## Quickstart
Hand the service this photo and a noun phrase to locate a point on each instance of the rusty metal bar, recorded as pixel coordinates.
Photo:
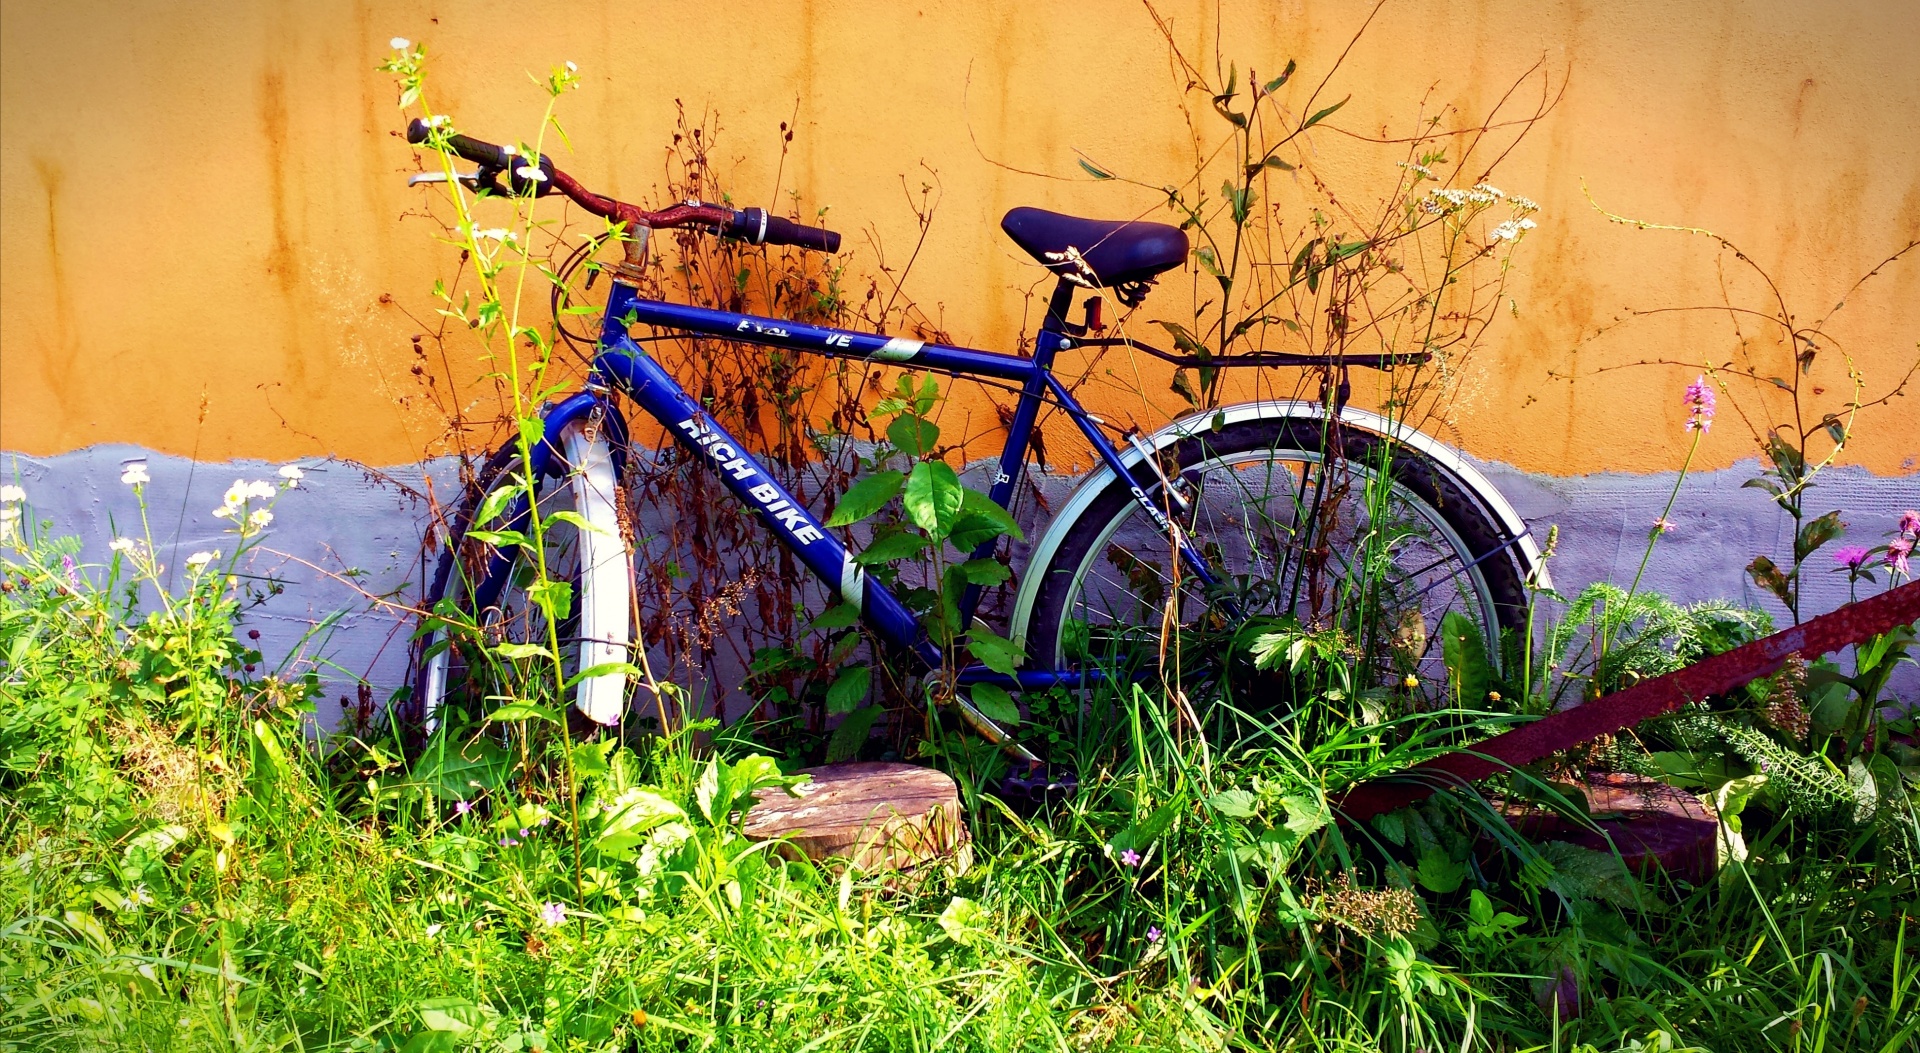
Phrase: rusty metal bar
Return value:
(1624, 709)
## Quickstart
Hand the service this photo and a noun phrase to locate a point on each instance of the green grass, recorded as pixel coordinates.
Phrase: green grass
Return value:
(177, 872)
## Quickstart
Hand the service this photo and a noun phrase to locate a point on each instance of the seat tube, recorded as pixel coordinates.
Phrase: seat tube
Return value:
(1051, 339)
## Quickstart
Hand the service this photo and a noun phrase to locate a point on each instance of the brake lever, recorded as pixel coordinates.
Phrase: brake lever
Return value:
(474, 181)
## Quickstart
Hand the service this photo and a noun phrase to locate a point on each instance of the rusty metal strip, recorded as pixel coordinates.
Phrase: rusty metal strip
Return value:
(1624, 709)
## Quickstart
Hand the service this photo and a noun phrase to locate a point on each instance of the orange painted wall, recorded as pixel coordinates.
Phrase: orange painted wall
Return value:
(202, 204)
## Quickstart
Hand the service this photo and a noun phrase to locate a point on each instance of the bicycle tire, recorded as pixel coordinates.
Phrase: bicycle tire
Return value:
(1449, 523)
(478, 601)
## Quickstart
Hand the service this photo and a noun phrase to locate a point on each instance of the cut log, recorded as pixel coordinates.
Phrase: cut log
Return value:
(870, 815)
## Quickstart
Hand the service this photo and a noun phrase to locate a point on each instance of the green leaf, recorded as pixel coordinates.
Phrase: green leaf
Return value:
(495, 502)
(1094, 172)
(866, 497)
(575, 520)
(966, 922)
(933, 497)
(455, 1016)
(1205, 256)
(975, 503)
(1183, 387)
(995, 703)
(552, 596)
(498, 538)
(890, 547)
(1305, 814)
(628, 818)
(994, 651)
(985, 571)
(1816, 533)
(1324, 114)
(845, 742)
(1439, 872)
(1235, 804)
(517, 651)
(913, 436)
(1274, 85)
(1466, 658)
(1767, 576)
(603, 669)
(849, 688)
(838, 616)
(525, 711)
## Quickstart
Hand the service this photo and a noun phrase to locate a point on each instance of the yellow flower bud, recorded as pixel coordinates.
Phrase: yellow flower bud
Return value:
(1412, 681)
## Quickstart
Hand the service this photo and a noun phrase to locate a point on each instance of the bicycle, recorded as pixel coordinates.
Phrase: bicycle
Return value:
(1243, 501)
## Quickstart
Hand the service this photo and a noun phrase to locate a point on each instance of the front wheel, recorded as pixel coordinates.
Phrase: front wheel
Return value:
(488, 603)
(1352, 532)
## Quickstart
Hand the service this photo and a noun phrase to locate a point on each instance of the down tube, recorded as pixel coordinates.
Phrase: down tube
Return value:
(659, 395)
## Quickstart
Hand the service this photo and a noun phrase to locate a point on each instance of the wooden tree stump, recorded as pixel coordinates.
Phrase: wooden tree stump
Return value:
(868, 815)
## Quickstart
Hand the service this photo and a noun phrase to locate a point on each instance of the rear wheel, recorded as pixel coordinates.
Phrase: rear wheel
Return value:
(1376, 540)
(485, 595)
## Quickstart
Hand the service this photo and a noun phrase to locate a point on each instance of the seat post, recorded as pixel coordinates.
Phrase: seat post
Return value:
(1053, 335)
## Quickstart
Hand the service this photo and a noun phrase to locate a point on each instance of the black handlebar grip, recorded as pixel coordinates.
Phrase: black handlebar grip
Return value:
(787, 232)
(754, 225)
(489, 156)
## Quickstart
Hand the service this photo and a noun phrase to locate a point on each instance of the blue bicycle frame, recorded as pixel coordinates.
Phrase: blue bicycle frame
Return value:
(621, 364)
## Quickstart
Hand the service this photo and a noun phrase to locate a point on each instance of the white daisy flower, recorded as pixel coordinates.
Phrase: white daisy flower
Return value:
(260, 489)
(236, 494)
(135, 474)
(260, 518)
(291, 473)
(400, 43)
(121, 544)
(201, 559)
(11, 494)
(224, 512)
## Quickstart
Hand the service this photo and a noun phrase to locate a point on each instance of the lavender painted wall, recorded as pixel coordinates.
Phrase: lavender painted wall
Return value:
(347, 541)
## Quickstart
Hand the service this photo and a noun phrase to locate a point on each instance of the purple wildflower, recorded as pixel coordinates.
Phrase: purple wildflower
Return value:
(1897, 552)
(1154, 934)
(553, 914)
(1851, 556)
(462, 807)
(523, 831)
(1129, 858)
(66, 564)
(1699, 403)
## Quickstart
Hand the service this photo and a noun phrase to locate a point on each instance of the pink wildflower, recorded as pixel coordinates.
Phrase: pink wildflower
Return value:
(1851, 557)
(553, 914)
(463, 807)
(1910, 522)
(1129, 858)
(1699, 403)
(1663, 525)
(1897, 552)
(1154, 934)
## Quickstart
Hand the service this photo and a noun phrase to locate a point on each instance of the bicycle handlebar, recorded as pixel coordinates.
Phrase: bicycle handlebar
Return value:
(753, 225)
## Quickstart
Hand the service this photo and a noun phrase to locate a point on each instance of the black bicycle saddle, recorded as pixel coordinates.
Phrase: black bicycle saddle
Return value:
(1116, 252)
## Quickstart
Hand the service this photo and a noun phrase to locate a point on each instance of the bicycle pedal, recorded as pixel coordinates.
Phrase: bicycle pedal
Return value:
(1025, 792)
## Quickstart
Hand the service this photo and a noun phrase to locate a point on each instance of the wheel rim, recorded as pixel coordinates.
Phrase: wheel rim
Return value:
(1426, 565)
